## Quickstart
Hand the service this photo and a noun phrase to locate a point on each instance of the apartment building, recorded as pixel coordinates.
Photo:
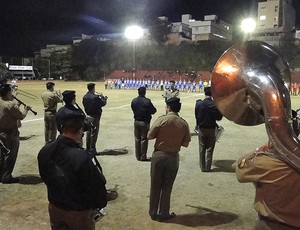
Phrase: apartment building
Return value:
(46, 52)
(211, 28)
(275, 19)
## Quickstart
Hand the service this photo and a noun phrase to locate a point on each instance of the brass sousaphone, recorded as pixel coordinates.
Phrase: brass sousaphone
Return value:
(250, 85)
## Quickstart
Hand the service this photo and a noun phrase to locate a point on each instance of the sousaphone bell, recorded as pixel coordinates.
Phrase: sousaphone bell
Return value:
(250, 85)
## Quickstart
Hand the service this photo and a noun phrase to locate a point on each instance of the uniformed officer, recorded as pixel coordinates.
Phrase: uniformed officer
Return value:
(206, 114)
(171, 91)
(76, 186)
(277, 184)
(171, 132)
(143, 109)
(50, 99)
(69, 97)
(93, 104)
(10, 114)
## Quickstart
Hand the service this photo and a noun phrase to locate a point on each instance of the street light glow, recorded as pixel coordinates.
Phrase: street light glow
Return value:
(248, 25)
(134, 32)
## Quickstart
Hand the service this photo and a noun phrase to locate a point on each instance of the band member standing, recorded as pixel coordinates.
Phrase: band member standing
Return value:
(206, 114)
(171, 132)
(171, 91)
(143, 109)
(50, 99)
(93, 104)
(277, 199)
(69, 97)
(10, 114)
(76, 186)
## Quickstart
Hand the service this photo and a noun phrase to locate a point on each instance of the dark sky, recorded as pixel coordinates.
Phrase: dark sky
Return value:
(27, 25)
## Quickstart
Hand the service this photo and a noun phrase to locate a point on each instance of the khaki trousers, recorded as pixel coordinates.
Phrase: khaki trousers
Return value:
(164, 168)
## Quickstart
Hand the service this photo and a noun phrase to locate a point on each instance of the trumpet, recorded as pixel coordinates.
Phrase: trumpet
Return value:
(22, 103)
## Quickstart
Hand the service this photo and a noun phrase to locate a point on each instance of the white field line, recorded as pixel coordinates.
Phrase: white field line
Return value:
(118, 107)
(37, 119)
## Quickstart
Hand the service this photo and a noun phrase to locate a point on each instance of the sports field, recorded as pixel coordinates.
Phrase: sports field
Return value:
(213, 200)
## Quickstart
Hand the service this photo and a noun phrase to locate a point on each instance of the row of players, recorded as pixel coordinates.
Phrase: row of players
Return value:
(189, 86)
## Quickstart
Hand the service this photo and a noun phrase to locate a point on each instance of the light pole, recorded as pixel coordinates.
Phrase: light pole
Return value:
(49, 65)
(133, 33)
(248, 25)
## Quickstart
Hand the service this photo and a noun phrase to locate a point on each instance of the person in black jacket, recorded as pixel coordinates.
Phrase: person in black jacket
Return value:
(143, 109)
(69, 98)
(206, 114)
(93, 104)
(75, 184)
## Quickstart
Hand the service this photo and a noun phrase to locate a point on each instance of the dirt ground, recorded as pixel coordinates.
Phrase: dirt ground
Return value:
(214, 200)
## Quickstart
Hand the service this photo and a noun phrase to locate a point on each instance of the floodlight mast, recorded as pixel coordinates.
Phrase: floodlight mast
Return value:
(133, 33)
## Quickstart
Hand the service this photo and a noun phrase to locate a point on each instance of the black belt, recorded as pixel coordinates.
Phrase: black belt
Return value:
(268, 220)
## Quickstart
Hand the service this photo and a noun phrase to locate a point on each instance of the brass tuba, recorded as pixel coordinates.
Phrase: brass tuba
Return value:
(250, 85)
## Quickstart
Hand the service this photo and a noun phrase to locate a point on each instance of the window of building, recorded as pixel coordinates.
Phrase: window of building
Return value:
(275, 26)
(262, 17)
(275, 19)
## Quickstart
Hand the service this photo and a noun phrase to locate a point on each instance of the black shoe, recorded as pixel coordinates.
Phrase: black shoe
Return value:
(146, 159)
(167, 217)
(111, 195)
(207, 170)
(11, 180)
(153, 217)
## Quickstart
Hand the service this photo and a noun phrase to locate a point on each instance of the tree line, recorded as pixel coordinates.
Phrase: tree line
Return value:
(92, 60)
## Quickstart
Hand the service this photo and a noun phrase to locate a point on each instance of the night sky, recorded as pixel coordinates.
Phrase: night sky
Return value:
(27, 25)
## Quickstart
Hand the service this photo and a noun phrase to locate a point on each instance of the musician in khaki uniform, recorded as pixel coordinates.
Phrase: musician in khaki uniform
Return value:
(50, 99)
(277, 199)
(10, 113)
(171, 132)
(171, 91)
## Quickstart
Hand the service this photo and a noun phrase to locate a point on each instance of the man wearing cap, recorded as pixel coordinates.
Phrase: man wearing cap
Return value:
(10, 114)
(206, 114)
(171, 91)
(143, 109)
(171, 132)
(70, 106)
(93, 104)
(50, 99)
(75, 184)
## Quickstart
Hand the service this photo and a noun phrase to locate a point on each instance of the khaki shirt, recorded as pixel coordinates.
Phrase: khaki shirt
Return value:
(170, 93)
(9, 115)
(171, 132)
(50, 100)
(277, 186)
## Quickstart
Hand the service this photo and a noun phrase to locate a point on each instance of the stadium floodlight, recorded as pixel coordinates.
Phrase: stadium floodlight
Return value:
(248, 25)
(133, 33)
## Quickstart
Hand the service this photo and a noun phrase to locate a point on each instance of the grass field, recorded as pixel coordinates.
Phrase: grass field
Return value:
(201, 200)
